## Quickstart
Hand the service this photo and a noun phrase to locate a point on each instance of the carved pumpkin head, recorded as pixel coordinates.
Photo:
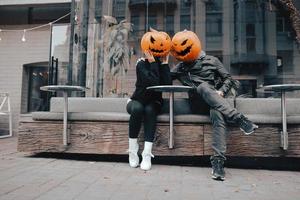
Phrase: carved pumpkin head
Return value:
(157, 42)
(186, 46)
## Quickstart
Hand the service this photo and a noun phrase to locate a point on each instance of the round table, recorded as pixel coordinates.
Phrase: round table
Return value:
(65, 89)
(283, 88)
(171, 89)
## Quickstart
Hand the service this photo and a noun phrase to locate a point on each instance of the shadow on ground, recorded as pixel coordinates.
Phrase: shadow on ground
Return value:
(271, 163)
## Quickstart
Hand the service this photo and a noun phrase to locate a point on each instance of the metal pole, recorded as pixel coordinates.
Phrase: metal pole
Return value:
(171, 115)
(147, 16)
(56, 72)
(70, 66)
(83, 44)
(65, 131)
(49, 68)
(284, 133)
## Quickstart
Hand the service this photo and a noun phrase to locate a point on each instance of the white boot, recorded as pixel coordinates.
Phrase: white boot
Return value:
(132, 151)
(146, 162)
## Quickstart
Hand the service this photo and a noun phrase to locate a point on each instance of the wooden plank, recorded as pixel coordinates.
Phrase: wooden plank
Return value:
(112, 138)
(106, 138)
(40, 136)
(294, 140)
(190, 139)
(264, 142)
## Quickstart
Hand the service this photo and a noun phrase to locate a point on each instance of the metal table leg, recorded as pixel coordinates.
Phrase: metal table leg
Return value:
(65, 131)
(284, 133)
(171, 115)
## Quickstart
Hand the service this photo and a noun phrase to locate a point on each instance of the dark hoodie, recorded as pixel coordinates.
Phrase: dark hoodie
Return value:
(150, 74)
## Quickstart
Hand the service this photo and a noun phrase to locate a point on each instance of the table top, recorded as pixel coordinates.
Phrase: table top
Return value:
(55, 88)
(282, 87)
(170, 88)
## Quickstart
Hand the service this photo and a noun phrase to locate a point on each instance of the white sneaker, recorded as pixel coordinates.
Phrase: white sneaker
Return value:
(132, 151)
(147, 155)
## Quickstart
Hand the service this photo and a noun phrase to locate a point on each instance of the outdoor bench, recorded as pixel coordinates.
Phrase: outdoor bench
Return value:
(100, 126)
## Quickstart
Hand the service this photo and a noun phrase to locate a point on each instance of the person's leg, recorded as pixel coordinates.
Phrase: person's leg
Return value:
(215, 101)
(150, 115)
(136, 111)
(218, 144)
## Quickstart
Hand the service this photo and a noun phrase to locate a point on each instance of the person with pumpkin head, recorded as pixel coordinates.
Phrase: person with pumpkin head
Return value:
(144, 105)
(211, 83)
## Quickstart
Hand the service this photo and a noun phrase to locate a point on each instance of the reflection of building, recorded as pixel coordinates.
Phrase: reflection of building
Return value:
(255, 43)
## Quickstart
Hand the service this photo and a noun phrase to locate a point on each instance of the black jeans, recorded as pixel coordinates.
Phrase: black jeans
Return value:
(139, 112)
(206, 100)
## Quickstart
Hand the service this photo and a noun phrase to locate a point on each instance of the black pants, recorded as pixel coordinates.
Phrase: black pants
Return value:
(206, 100)
(139, 113)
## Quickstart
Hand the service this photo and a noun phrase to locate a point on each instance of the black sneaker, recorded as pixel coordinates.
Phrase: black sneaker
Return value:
(246, 125)
(218, 172)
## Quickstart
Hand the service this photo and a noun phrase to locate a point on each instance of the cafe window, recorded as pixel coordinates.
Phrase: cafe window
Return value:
(170, 24)
(214, 18)
(135, 21)
(119, 9)
(152, 20)
(282, 24)
(214, 24)
(37, 99)
(214, 5)
(185, 15)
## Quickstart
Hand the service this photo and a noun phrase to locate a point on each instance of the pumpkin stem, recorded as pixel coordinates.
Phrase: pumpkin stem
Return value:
(152, 29)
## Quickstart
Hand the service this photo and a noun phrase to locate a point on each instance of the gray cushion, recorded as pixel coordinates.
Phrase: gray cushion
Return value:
(89, 104)
(185, 118)
(181, 106)
(113, 116)
(269, 106)
(82, 116)
(273, 119)
(259, 110)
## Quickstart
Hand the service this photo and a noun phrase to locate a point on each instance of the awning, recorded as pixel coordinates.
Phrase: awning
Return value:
(31, 2)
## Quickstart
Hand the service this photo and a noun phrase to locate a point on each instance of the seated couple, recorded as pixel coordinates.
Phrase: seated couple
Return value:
(208, 77)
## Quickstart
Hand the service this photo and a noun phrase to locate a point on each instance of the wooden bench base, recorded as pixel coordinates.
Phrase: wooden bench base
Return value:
(190, 139)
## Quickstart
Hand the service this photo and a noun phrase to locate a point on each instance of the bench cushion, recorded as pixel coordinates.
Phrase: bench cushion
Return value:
(268, 106)
(92, 104)
(259, 110)
(89, 104)
(113, 116)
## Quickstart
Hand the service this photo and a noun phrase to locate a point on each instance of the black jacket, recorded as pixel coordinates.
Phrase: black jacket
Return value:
(205, 69)
(150, 74)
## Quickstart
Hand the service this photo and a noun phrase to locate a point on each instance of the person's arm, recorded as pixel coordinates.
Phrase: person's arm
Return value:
(148, 77)
(225, 76)
(164, 71)
(175, 72)
(165, 74)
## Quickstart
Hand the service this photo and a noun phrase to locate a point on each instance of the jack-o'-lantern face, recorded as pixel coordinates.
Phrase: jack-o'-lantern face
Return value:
(157, 42)
(186, 46)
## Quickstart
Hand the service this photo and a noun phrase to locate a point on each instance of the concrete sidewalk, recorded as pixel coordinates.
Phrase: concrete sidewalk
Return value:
(24, 177)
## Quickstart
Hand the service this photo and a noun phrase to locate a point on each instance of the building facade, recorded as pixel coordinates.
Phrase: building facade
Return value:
(253, 39)
(24, 58)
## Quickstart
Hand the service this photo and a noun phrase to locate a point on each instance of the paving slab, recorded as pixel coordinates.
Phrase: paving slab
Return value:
(23, 177)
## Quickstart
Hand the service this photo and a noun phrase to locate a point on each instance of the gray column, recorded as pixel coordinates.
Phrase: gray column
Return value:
(228, 32)
(200, 27)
